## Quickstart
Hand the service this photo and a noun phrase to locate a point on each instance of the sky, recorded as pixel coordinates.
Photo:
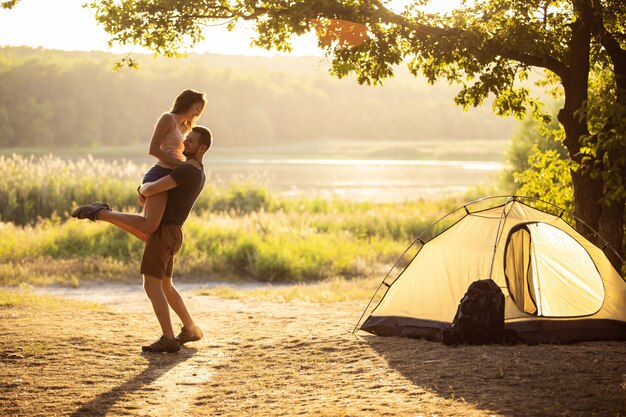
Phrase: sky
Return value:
(66, 25)
(74, 28)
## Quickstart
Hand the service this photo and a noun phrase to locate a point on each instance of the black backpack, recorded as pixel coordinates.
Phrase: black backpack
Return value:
(479, 319)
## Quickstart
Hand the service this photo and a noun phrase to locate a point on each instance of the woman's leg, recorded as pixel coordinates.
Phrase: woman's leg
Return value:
(141, 226)
(124, 221)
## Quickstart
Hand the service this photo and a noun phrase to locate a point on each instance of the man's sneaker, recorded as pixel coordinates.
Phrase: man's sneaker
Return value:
(89, 211)
(187, 335)
(163, 345)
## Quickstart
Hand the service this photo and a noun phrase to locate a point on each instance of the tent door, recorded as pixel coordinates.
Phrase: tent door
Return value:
(550, 274)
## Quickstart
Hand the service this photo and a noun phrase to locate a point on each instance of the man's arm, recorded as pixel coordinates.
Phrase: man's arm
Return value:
(149, 189)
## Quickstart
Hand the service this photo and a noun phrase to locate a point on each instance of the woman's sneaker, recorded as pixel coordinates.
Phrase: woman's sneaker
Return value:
(187, 335)
(89, 211)
(163, 345)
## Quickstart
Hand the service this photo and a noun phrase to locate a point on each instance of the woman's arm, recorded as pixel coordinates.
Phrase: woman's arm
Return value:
(164, 125)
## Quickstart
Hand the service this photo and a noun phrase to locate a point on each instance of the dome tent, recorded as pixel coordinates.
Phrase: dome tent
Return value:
(558, 286)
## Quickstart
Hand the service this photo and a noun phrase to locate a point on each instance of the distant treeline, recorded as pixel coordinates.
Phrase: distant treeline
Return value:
(64, 99)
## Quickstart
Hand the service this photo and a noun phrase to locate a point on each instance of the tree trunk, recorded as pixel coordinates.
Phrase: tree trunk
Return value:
(587, 190)
(611, 228)
(611, 225)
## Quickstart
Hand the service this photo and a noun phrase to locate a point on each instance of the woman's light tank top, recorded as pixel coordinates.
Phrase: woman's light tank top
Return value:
(172, 143)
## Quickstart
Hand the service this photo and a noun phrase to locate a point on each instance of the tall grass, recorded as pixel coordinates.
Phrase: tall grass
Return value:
(242, 230)
(47, 186)
(265, 246)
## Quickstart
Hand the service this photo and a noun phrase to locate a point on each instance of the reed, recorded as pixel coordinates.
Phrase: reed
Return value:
(242, 230)
(48, 187)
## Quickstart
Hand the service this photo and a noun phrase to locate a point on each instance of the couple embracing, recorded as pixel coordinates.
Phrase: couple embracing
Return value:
(167, 193)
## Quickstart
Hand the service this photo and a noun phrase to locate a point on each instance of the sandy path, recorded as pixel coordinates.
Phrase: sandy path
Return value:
(270, 359)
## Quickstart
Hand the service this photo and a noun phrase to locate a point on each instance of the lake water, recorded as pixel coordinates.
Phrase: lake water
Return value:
(359, 180)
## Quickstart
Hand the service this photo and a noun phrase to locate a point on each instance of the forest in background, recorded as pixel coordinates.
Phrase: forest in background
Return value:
(56, 99)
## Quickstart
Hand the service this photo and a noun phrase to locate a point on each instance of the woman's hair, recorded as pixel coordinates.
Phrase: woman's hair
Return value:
(185, 100)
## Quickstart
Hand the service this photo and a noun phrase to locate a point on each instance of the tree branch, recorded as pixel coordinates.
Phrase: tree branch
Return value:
(547, 62)
(390, 17)
(608, 41)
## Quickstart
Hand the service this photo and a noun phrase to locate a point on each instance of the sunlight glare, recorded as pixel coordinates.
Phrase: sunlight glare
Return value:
(433, 6)
(66, 25)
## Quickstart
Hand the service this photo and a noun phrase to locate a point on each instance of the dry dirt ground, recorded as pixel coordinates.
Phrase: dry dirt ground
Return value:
(276, 359)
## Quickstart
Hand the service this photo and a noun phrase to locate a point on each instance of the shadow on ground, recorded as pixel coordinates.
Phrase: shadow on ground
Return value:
(574, 380)
(158, 364)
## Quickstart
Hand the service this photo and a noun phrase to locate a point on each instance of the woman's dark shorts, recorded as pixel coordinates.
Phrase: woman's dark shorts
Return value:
(155, 173)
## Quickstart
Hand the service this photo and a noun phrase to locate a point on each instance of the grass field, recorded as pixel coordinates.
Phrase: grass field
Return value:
(265, 246)
(241, 231)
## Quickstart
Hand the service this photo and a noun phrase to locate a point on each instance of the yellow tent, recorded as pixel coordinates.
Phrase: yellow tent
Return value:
(558, 286)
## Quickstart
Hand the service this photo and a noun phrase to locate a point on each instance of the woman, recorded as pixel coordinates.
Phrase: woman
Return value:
(166, 145)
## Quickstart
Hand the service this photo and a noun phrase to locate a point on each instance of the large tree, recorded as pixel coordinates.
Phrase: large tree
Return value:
(488, 46)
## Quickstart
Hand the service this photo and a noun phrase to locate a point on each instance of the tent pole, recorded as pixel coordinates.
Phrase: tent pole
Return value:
(368, 306)
(419, 239)
(499, 232)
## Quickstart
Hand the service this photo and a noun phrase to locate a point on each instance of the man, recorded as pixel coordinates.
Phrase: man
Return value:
(183, 185)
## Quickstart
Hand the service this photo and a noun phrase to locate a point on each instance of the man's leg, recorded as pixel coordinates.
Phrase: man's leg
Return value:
(153, 289)
(175, 300)
(190, 331)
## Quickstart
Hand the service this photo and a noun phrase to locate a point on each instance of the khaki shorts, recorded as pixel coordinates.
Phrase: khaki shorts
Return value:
(159, 251)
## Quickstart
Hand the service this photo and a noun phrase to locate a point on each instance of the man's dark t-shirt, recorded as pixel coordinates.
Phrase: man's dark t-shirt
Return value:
(180, 199)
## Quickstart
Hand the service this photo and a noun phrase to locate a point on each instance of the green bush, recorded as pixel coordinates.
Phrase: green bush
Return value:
(243, 198)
